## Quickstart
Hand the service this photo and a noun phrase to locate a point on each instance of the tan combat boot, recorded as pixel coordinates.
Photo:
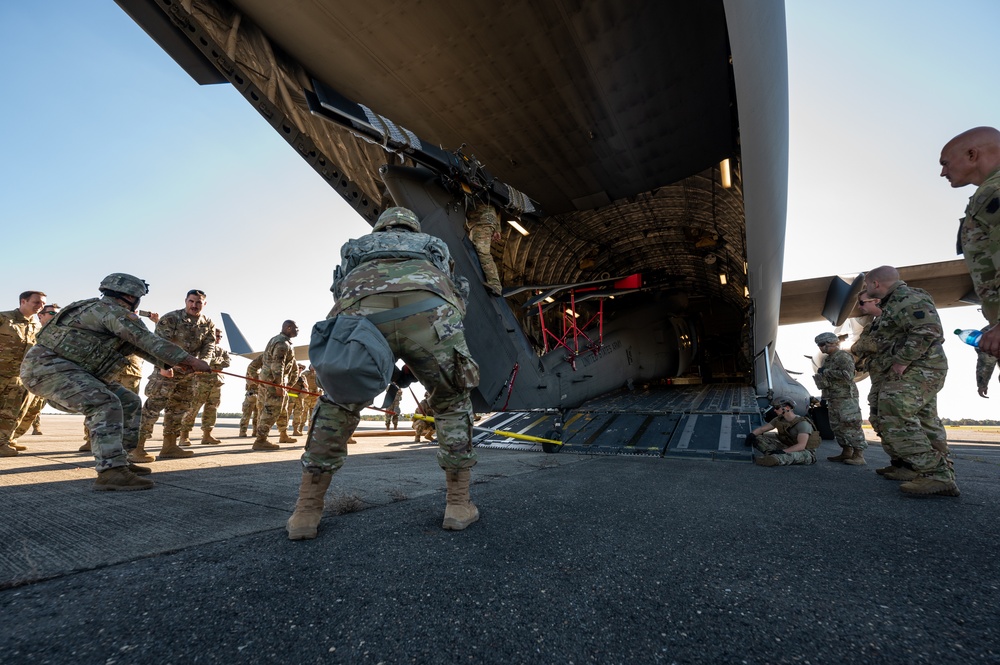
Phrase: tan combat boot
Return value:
(459, 511)
(139, 470)
(927, 486)
(121, 479)
(183, 440)
(845, 454)
(208, 439)
(766, 460)
(7, 451)
(137, 454)
(261, 443)
(296, 432)
(858, 459)
(171, 450)
(36, 432)
(304, 522)
(243, 432)
(16, 446)
(85, 448)
(284, 438)
(901, 473)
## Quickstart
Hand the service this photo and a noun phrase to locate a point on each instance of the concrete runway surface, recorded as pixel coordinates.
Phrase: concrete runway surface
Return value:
(576, 559)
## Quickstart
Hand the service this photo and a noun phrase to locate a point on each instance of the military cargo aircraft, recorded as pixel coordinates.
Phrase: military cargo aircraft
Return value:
(637, 153)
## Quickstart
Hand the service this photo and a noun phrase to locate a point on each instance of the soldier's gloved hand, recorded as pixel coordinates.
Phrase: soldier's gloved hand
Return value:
(196, 364)
(751, 439)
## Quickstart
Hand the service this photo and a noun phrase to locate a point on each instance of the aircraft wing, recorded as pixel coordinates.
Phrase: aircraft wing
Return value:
(833, 298)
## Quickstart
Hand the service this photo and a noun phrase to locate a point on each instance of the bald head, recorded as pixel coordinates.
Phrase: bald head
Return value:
(970, 157)
(879, 281)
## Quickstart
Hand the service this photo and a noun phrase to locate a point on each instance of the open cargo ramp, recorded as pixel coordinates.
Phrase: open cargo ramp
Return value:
(702, 421)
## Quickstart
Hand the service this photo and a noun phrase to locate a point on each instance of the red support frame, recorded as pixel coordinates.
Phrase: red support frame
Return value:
(570, 327)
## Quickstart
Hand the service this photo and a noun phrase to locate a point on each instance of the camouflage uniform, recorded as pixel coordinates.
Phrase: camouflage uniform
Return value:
(382, 271)
(196, 335)
(836, 380)
(483, 224)
(277, 366)
(17, 335)
(309, 376)
(865, 350)
(985, 364)
(207, 392)
(909, 333)
(787, 436)
(251, 405)
(393, 418)
(79, 354)
(979, 240)
(422, 428)
(297, 404)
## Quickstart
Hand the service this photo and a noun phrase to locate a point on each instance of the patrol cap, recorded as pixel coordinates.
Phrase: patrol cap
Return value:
(124, 283)
(783, 401)
(826, 338)
(397, 216)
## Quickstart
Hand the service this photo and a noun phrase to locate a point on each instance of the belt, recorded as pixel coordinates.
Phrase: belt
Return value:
(403, 310)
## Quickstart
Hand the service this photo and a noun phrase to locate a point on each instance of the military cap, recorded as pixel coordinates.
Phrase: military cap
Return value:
(826, 338)
(397, 217)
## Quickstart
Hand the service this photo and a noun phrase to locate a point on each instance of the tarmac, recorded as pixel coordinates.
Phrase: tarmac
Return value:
(576, 559)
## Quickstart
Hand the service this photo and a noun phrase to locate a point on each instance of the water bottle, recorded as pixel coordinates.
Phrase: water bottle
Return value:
(970, 337)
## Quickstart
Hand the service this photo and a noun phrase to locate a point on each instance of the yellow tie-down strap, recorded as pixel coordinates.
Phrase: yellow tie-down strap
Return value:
(500, 432)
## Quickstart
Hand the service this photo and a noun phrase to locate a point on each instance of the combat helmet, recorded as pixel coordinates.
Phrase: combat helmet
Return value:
(124, 283)
(783, 401)
(397, 216)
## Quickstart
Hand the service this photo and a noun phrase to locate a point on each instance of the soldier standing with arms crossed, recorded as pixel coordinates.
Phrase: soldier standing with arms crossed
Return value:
(397, 267)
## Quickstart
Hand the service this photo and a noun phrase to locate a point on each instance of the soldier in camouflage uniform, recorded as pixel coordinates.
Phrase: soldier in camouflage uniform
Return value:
(18, 329)
(312, 386)
(207, 393)
(297, 403)
(35, 403)
(836, 380)
(76, 359)
(422, 428)
(973, 158)
(483, 225)
(277, 366)
(394, 267)
(392, 415)
(251, 405)
(194, 332)
(910, 337)
(796, 439)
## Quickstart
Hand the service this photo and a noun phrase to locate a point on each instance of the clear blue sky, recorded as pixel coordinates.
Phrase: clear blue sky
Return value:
(115, 160)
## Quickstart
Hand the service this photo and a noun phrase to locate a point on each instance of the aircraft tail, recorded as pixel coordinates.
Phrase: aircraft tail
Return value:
(237, 342)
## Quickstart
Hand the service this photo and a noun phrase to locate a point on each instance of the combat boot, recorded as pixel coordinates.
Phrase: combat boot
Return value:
(927, 486)
(7, 451)
(85, 448)
(137, 454)
(183, 440)
(284, 438)
(858, 459)
(16, 446)
(139, 470)
(261, 443)
(845, 454)
(901, 473)
(36, 432)
(171, 450)
(243, 432)
(208, 439)
(766, 460)
(120, 478)
(459, 511)
(304, 522)
(296, 432)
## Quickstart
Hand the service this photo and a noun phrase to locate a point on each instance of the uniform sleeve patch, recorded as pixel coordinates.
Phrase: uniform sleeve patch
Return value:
(993, 205)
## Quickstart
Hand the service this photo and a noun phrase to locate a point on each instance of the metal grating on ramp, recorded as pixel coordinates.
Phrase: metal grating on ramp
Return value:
(701, 422)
